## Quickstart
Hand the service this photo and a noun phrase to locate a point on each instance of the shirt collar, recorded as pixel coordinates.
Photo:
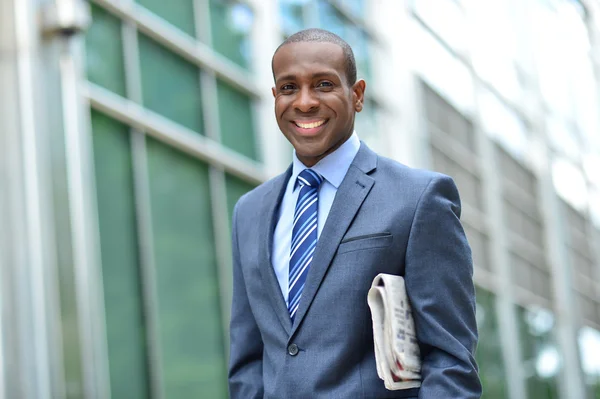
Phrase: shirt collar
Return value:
(334, 166)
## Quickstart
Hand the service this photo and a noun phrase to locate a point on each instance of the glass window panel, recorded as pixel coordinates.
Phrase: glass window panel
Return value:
(231, 23)
(446, 18)
(589, 347)
(591, 166)
(120, 262)
(359, 41)
(504, 124)
(191, 338)
(570, 183)
(366, 126)
(552, 48)
(331, 19)
(237, 124)
(235, 187)
(541, 355)
(442, 70)
(170, 85)
(563, 137)
(495, 45)
(179, 13)
(489, 350)
(582, 74)
(292, 15)
(104, 51)
(356, 7)
(595, 205)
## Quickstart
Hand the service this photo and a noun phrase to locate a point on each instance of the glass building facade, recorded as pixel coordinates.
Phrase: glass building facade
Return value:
(130, 128)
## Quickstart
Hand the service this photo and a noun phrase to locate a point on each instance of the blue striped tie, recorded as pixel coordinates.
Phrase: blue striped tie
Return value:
(304, 236)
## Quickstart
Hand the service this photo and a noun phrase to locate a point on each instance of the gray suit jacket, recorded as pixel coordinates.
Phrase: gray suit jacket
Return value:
(386, 218)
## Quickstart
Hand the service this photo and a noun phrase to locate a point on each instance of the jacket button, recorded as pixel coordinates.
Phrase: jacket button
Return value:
(293, 349)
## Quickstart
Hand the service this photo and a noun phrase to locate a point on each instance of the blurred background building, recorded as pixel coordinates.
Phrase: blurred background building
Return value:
(129, 129)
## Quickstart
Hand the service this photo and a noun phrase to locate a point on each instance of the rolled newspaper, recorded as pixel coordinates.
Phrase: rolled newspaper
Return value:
(396, 348)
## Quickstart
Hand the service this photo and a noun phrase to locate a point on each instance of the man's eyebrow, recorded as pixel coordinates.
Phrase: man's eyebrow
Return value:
(325, 74)
(317, 75)
(286, 77)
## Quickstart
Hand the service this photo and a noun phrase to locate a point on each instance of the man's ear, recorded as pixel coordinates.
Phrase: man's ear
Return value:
(358, 94)
(273, 90)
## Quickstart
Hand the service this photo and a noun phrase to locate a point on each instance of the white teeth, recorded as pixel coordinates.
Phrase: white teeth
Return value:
(310, 125)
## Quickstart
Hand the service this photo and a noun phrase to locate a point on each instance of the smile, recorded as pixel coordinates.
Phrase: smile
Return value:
(309, 128)
(310, 125)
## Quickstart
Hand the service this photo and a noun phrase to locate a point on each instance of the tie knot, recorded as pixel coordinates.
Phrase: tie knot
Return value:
(309, 177)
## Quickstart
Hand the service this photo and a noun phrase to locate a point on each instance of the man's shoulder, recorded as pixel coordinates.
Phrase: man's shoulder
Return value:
(390, 169)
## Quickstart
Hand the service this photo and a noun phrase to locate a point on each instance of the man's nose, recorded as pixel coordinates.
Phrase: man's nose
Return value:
(306, 100)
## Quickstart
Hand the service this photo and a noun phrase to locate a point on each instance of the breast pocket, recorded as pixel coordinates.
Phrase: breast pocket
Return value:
(370, 241)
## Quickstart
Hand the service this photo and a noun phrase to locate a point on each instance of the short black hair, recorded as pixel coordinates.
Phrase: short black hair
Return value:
(324, 36)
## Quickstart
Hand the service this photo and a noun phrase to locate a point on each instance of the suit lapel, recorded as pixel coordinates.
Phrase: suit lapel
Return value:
(349, 197)
(270, 208)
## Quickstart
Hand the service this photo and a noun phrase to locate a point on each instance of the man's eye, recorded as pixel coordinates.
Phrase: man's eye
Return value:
(325, 84)
(287, 87)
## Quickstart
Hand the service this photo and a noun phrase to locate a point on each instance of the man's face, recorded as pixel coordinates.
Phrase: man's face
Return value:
(314, 104)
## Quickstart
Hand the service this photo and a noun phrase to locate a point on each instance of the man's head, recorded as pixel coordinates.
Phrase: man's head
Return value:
(316, 92)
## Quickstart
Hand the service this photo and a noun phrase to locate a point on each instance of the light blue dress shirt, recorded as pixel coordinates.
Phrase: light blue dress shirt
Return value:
(333, 168)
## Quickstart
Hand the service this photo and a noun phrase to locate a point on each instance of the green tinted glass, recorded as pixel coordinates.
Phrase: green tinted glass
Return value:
(356, 7)
(540, 352)
(186, 273)
(331, 19)
(489, 351)
(120, 264)
(235, 189)
(231, 23)
(177, 12)
(292, 16)
(360, 46)
(170, 84)
(237, 124)
(104, 51)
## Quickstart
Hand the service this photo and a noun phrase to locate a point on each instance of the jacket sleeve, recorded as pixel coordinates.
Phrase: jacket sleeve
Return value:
(439, 283)
(246, 345)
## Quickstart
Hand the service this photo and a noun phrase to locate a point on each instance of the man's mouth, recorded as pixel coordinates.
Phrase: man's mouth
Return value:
(310, 124)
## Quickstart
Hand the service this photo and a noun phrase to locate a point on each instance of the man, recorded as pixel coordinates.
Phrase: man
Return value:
(308, 243)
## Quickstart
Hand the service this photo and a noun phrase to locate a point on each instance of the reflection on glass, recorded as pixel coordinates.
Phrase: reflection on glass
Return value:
(231, 23)
(569, 183)
(356, 7)
(125, 329)
(358, 40)
(366, 126)
(563, 137)
(542, 359)
(292, 14)
(589, 347)
(591, 166)
(331, 19)
(446, 18)
(494, 45)
(503, 123)
(561, 48)
(193, 361)
(584, 84)
(442, 70)
(489, 350)
(595, 206)
(179, 13)
(178, 97)
(104, 51)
